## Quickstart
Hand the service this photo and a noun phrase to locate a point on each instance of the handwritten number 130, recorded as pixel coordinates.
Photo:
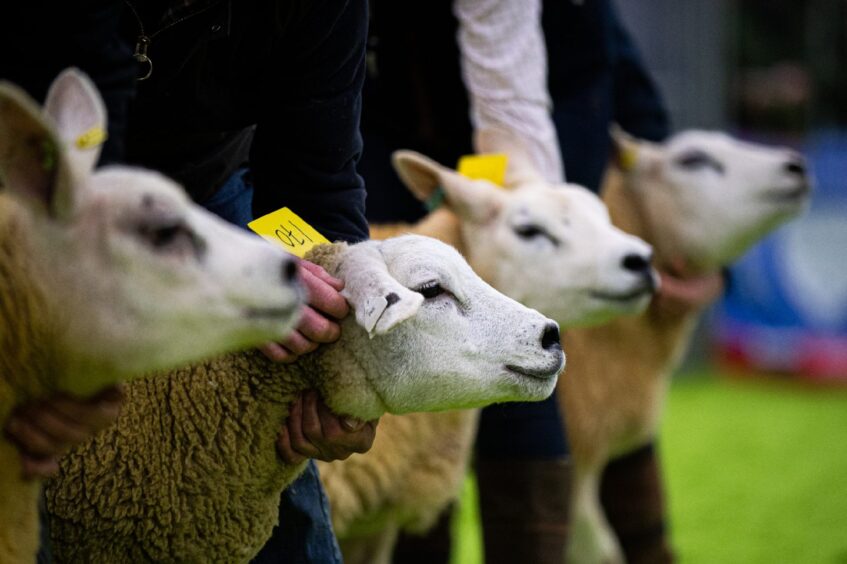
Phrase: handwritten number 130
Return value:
(288, 237)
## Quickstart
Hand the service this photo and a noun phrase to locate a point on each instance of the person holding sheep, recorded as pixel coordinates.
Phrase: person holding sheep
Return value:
(198, 90)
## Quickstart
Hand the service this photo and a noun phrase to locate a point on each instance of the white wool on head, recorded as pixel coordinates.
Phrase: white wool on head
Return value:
(454, 342)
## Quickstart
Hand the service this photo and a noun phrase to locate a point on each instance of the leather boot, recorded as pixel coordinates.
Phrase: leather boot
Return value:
(432, 548)
(524, 510)
(633, 498)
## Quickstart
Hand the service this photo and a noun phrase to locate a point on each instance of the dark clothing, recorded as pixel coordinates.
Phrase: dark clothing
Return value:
(271, 83)
(596, 78)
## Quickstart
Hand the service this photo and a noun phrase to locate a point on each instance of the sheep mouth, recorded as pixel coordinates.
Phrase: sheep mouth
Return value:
(797, 194)
(545, 373)
(637, 293)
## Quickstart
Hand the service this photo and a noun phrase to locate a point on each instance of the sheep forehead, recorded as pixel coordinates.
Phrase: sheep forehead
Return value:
(558, 203)
(138, 189)
(411, 258)
(725, 147)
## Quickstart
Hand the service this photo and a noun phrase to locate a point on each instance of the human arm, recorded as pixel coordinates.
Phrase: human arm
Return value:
(504, 65)
(638, 105)
(46, 429)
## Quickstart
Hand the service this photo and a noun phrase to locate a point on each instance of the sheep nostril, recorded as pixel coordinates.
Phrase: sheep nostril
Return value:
(796, 167)
(550, 339)
(636, 263)
(289, 271)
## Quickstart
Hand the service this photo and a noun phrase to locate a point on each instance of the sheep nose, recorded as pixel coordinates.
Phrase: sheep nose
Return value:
(550, 339)
(636, 263)
(289, 270)
(796, 166)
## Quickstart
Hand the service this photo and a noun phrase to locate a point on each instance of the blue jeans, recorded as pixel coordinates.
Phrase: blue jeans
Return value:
(306, 534)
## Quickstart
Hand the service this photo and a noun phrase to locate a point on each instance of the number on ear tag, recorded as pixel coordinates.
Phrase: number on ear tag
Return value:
(287, 229)
(491, 167)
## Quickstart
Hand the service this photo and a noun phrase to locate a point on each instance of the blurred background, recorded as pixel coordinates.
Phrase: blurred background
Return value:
(754, 442)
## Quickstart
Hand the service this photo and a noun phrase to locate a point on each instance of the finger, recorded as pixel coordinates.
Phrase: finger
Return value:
(317, 328)
(298, 344)
(312, 429)
(278, 353)
(324, 297)
(363, 439)
(284, 449)
(351, 424)
(30, 439)
(299, 443)
(321, 273)
(39, 468)
(62, 431)
(95, 413)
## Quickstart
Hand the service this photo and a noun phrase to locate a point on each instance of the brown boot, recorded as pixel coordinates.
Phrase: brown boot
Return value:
(432, 548)
(524, 510)
(632, 496)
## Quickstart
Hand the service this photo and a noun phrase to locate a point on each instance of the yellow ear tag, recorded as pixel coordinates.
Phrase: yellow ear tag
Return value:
(491, 167)
(627, 157)
(91, 138)
(287, 229)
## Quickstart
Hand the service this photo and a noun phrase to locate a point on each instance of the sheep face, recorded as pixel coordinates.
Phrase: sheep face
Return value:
(136, 277)
(550, 246)
(707, 197)
(451, 341)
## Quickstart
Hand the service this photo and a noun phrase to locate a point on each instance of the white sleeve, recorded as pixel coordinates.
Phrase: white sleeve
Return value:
(504, 65)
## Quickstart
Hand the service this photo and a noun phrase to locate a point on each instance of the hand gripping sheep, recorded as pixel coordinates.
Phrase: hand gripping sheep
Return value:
(189, 473)
(107, 274)
(701, 199)
(551, 247)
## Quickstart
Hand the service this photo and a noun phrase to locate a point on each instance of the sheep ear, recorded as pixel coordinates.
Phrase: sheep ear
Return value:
(33, 164)
(79, 115)
(521, 168)
(474, 200)
(631, 154)
(378, 300)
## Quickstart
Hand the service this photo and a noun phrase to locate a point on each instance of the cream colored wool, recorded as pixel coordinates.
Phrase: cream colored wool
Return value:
(87, 286)
(618, 373)
(190, 471)
(417, 463)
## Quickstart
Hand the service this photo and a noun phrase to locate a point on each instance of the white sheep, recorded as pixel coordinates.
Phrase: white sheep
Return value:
(190, 473)
(700, 199)
(107, 274)
(552, 247)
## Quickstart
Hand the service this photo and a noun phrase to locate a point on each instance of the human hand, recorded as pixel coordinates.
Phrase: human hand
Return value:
(318, 324)
(314, 431)
(46, 429)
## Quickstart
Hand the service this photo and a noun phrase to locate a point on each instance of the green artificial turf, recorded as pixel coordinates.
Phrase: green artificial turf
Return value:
(756, 472)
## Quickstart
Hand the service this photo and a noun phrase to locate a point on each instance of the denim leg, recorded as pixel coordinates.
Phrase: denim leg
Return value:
(306, 534)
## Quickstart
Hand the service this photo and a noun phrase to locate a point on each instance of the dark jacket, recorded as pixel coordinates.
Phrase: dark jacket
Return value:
(270, 84)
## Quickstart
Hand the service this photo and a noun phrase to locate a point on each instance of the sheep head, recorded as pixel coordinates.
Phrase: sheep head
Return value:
(428, 334)
(705, 197)
(550, 246)
(136, 277)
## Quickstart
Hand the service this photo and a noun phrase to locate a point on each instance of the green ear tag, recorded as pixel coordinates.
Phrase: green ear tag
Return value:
(48, 155)
(434, 202)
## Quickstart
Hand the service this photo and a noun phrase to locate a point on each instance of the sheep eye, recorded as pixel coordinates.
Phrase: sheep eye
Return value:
(430, 290)
(172, 235)
(529, 232)
(696, 160)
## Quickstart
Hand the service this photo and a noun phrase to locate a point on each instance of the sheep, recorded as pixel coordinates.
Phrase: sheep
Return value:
(551, 247)
(701, 199)
(102, 274)
(189, 472)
